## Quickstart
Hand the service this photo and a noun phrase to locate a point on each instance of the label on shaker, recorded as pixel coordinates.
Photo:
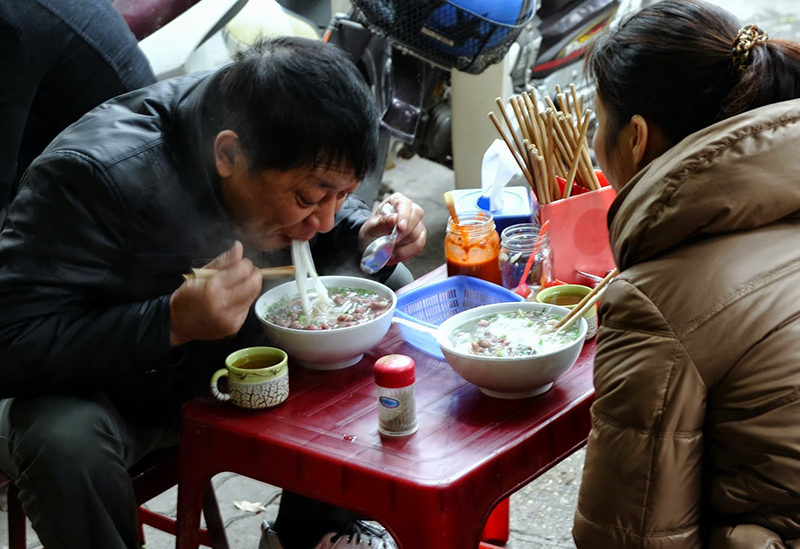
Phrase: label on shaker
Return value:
(390, 403)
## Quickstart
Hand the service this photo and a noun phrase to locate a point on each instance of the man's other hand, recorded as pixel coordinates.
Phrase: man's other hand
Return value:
(217, 306)
(411, 231)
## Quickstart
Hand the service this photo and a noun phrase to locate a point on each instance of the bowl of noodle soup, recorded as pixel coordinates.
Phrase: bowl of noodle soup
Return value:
(337, 338)
(508, 349)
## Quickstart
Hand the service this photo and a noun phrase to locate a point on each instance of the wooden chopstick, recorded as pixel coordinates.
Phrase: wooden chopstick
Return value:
(576, 313)
(266, 272)
(537, 177)
(523, 125)
(540, 129)
(574, 90)
(583, 305)
(571, 135)
(543, 170)
(577, 159)
(509, 125)
(516, 156)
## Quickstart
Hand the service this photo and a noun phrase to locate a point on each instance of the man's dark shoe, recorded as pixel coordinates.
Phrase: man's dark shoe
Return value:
(358, 535)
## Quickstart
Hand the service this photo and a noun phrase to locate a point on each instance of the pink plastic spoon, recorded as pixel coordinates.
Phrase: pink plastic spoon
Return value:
(523, 289)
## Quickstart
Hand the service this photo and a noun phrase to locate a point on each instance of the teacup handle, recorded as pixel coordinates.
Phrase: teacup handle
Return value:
(219, 395)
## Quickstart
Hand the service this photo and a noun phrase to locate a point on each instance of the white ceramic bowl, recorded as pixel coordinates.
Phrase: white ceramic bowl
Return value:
(510, 377)
(328, 349)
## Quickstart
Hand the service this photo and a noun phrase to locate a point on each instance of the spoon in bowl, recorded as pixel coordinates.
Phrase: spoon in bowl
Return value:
(378, 252)
(422, 328)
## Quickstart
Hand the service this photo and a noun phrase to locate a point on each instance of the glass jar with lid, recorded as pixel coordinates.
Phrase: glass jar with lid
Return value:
(516, 244)
(472, 246)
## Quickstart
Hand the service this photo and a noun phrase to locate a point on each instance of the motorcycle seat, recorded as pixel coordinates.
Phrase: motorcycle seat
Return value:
(549, 7)
(144, 17)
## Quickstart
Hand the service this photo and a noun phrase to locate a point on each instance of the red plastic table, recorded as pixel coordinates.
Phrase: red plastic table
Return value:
(431, 490)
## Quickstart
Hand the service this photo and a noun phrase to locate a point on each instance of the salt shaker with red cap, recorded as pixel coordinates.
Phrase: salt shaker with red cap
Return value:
(397, 408)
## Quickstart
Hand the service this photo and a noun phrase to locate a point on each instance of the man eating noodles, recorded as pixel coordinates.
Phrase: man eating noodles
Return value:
(101, 339)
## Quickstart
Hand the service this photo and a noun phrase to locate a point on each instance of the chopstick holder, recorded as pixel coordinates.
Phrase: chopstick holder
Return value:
(585, 304)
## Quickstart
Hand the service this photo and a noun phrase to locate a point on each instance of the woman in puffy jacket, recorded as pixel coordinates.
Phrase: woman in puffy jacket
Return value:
(695, 436)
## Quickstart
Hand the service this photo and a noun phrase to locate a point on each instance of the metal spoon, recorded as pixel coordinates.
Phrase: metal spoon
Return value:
(380, 250)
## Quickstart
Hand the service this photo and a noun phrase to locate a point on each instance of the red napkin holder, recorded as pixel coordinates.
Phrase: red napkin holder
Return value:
(579, 233)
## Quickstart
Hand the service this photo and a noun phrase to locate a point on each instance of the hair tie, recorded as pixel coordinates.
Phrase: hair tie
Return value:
(746, 39)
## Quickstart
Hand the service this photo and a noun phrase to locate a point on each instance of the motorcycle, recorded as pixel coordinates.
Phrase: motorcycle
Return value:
(564, 29)
(406, 49)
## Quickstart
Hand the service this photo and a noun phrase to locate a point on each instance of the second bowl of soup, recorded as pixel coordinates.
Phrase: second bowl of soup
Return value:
(508, 350)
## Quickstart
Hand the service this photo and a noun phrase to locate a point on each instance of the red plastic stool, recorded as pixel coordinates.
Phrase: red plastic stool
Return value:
(154, 475)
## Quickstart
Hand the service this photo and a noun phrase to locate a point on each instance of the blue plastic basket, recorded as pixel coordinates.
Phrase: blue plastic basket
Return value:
(433, 304)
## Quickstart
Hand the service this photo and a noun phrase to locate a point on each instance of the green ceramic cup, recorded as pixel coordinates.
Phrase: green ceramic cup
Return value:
(568, 295)
(258, 378)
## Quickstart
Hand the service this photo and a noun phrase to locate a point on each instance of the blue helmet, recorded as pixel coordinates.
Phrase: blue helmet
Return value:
(505, 12)
(468, 35)
(473, 27)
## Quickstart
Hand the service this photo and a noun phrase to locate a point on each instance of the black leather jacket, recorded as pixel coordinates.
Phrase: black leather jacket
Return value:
(105, 222)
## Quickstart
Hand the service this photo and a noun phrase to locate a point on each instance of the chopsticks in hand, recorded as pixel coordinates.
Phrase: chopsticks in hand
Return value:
(585, 304)
(266, 272)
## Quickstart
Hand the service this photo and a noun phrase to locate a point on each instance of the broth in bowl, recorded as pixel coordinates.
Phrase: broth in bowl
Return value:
(512, 334)
(527, 372)
(351, 306)
(332, 348)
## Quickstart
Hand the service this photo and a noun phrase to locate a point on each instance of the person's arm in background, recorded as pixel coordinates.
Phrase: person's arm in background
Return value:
(64, 265)
(59, 59)
(641, 482)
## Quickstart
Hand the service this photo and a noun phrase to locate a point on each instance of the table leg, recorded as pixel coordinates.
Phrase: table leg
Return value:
(194, 474)
(433, 528)
(190, 505)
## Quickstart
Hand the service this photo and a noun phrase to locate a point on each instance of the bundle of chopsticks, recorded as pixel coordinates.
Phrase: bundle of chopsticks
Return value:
(550, 143)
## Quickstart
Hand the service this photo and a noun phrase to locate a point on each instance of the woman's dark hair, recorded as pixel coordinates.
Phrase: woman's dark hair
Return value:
(295, 102)
(673, 63)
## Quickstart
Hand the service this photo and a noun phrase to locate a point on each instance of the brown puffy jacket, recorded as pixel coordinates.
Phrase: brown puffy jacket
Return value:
(695, 436)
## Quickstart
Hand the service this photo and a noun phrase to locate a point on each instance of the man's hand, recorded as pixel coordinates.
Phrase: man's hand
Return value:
(411, 231)
(215, 307)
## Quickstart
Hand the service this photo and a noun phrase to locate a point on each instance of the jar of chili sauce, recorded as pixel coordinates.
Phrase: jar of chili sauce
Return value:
(472, 246)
